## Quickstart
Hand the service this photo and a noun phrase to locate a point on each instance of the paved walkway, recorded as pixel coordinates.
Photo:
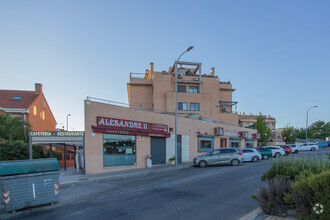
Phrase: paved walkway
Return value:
(70, 177)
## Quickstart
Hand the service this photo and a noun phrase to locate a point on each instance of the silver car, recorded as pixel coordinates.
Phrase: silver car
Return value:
(232, 156)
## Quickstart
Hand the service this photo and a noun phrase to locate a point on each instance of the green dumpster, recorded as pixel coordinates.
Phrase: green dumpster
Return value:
(28, 183)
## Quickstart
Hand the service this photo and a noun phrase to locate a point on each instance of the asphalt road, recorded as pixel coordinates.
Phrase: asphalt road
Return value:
(220, 192)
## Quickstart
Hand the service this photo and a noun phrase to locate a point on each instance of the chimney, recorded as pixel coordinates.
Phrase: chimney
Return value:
(259, 113)
(152, 68)
(38, 87)
(212, 71)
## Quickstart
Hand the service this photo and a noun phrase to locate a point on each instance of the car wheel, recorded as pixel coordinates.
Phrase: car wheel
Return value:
(296, 151)
(265, 157)
(255, 159)
(277, 155)
(312, 149)
(202, 164)
(235, 162)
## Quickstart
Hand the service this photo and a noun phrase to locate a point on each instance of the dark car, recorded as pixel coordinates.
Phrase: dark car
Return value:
(265, 153)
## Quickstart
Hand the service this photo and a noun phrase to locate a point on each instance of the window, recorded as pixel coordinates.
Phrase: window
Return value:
(193, 89)
(181, 88)
(249, 144)
(227, 151)
(215, 152)
(183, 106)
(119, 150)
(248, 151)
(17, 98)
(205, 144)
(235, 143)
(43, 115)
(194, 106)
(35, 110)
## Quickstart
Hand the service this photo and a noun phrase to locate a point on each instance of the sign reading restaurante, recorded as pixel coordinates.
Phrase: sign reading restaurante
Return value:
(56, 133)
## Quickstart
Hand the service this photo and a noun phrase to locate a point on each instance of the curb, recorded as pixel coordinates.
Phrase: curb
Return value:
(63, 185)
(251, 215)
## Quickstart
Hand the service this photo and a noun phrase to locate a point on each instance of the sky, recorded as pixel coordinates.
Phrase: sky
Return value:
(276, 54)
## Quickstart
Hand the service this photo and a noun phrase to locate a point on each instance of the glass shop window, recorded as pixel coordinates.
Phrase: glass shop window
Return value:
(205, 144)
(119, 150)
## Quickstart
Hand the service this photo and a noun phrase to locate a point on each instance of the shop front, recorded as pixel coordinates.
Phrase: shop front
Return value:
(118, 138)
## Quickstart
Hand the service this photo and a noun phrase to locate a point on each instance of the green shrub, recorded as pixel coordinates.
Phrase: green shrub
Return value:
(307, 192)
(19, 150)
(271, 199)
(296, 167)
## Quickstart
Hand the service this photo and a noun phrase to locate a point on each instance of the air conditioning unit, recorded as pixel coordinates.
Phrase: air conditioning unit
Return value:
(180, 75)
(195, 78)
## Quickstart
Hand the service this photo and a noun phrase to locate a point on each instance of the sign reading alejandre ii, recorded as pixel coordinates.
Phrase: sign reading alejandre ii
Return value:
(131, 127)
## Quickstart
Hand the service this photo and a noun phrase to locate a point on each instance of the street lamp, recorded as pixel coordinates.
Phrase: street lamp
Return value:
(307, 119)
(67, 122)
(176, 104)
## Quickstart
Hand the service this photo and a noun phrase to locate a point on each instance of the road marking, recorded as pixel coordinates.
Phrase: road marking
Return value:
(250, 214)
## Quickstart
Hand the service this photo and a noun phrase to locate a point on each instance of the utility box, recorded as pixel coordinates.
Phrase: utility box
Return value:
(28, 183)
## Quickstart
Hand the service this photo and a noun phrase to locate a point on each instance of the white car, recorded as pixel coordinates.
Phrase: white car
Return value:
(308, 146)
(250, 154)
(295, 148)
(276, 151)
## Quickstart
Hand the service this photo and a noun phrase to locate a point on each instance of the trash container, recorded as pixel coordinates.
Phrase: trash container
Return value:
(149, 161)
(28, 183)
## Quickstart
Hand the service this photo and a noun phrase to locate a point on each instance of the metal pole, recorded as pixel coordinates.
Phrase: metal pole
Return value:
(176, 113)
(30, 148)
(75, 152)
(67, 122)
(307, 119)
(51, 151)
(65, 157)
(176, 104)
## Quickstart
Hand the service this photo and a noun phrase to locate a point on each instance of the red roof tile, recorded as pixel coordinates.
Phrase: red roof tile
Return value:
(6, 98)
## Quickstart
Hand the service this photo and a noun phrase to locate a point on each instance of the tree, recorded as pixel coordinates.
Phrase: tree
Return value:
(262, 129)
(13, 128)
(289, 134)
(319, 130)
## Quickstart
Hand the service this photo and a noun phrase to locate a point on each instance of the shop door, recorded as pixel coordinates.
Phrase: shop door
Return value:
(179, 148)
(157, 150)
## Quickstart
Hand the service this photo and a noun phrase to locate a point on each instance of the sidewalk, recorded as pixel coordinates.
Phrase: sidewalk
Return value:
(69, 177)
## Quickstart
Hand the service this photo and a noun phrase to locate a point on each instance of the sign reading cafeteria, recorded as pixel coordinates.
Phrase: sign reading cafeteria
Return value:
(114, 125)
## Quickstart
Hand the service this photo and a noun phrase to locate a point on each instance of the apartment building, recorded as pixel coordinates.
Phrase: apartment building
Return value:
(199, 95)
(248, 121)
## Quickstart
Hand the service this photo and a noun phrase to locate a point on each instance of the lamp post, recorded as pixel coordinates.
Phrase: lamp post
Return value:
(176, 103)
(67, 122)
(315, 106)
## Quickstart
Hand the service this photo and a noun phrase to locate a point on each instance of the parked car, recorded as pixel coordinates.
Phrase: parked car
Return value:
(276, 151)
(322, 144)
(287, 149)
(308, 146)
(232, 156)
(265, 153)
(295, 148)
(251, 154)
